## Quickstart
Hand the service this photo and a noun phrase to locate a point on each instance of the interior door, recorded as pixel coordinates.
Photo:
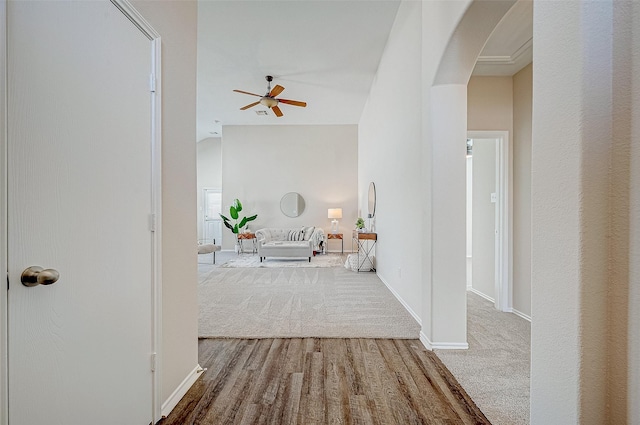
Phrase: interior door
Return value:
(484, 216)
(212, 220)
(79, 202)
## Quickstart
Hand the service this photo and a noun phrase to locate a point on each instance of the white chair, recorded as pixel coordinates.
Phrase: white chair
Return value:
(204, 247)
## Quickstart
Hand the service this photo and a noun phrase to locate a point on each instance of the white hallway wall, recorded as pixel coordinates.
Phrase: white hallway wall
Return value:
(395, 153)
(585, 212)
(522, 107)
(390, 156)
(262, 163)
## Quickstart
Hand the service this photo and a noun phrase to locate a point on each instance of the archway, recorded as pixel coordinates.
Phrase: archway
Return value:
(448, 132)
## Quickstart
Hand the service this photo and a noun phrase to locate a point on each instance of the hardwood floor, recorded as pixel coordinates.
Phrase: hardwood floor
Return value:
(322, 381)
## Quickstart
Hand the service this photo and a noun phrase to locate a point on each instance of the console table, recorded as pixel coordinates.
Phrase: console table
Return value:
(247, 236)
(335, 236)
(365, 248)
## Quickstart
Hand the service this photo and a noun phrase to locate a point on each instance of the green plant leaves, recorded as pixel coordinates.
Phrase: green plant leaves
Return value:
(233, 211)
(237, 205)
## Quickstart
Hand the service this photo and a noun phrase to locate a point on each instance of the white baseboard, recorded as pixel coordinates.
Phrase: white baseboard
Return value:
(442, 345)
(399, 298)
(182, 389)
(486, 297)
(521, 314)
(425, 341)
(423, 338)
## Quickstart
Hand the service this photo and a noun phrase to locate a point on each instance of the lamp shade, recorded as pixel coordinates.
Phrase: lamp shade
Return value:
(334, 213)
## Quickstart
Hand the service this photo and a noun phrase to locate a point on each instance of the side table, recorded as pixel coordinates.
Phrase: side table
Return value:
(335, 236)
(247, 236)
(364, 248)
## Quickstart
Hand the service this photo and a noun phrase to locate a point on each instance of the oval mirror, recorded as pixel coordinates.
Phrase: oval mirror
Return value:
(292, 204)
(372, 199)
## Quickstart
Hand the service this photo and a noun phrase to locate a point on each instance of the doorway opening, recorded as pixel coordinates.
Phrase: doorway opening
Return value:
(488, 217)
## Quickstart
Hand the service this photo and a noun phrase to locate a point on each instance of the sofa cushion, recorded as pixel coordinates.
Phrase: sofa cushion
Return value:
(286, 244)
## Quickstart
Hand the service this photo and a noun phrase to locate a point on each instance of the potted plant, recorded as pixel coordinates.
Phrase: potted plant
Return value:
(360, 224)
(238, 222)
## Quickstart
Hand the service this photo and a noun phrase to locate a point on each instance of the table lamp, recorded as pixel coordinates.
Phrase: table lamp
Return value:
(334, 213)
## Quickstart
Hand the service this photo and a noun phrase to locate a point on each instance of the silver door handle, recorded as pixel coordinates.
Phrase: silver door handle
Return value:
(35, 275)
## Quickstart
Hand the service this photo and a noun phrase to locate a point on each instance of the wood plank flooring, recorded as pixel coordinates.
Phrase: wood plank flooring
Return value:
(322, 381)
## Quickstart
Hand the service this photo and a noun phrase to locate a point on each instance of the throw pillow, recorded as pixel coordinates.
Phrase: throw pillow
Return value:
(295, 235)
(308, 231)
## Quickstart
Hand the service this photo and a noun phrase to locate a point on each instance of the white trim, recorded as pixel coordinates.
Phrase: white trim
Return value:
(507, 59)
(182, 389)
(399, 298)
(442, 345)
(521, 314)
(156, 195)
(425, 341)
(504, 217)
(4, 365)
(156, 178)
(136, 18)
(450, 345)
(485, 296)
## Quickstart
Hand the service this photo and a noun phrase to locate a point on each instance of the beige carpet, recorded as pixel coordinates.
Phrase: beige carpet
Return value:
(298, 302)
(495, 370)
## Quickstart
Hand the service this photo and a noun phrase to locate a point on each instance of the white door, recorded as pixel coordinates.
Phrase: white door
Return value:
(484, 216)
(79, 202)
(212, 220)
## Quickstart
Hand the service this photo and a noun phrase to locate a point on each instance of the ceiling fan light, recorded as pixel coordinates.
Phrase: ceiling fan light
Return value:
(269, 102)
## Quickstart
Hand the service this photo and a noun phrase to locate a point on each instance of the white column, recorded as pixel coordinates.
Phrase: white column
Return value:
(448, 310)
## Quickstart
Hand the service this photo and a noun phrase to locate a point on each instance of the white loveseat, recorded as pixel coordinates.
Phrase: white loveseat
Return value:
(291, 243)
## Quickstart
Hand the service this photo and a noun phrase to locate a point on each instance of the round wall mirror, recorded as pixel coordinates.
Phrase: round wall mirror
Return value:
(372, 199)
(292, 204)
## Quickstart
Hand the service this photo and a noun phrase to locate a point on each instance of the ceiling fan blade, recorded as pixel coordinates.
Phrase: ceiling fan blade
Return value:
(293, 102)
(276, 90)
(276, 111)
(251, 105)
(246, 92)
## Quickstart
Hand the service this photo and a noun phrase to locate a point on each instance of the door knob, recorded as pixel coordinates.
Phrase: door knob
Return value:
(34, 276)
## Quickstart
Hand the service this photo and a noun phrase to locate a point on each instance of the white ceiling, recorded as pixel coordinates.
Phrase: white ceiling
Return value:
(324, 52)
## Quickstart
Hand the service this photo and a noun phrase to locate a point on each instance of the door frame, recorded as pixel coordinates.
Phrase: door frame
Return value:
(156, 178)
(504, 217)
(4, 364)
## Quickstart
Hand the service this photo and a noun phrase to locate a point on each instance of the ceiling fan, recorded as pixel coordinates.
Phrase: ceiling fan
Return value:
(269, 100)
